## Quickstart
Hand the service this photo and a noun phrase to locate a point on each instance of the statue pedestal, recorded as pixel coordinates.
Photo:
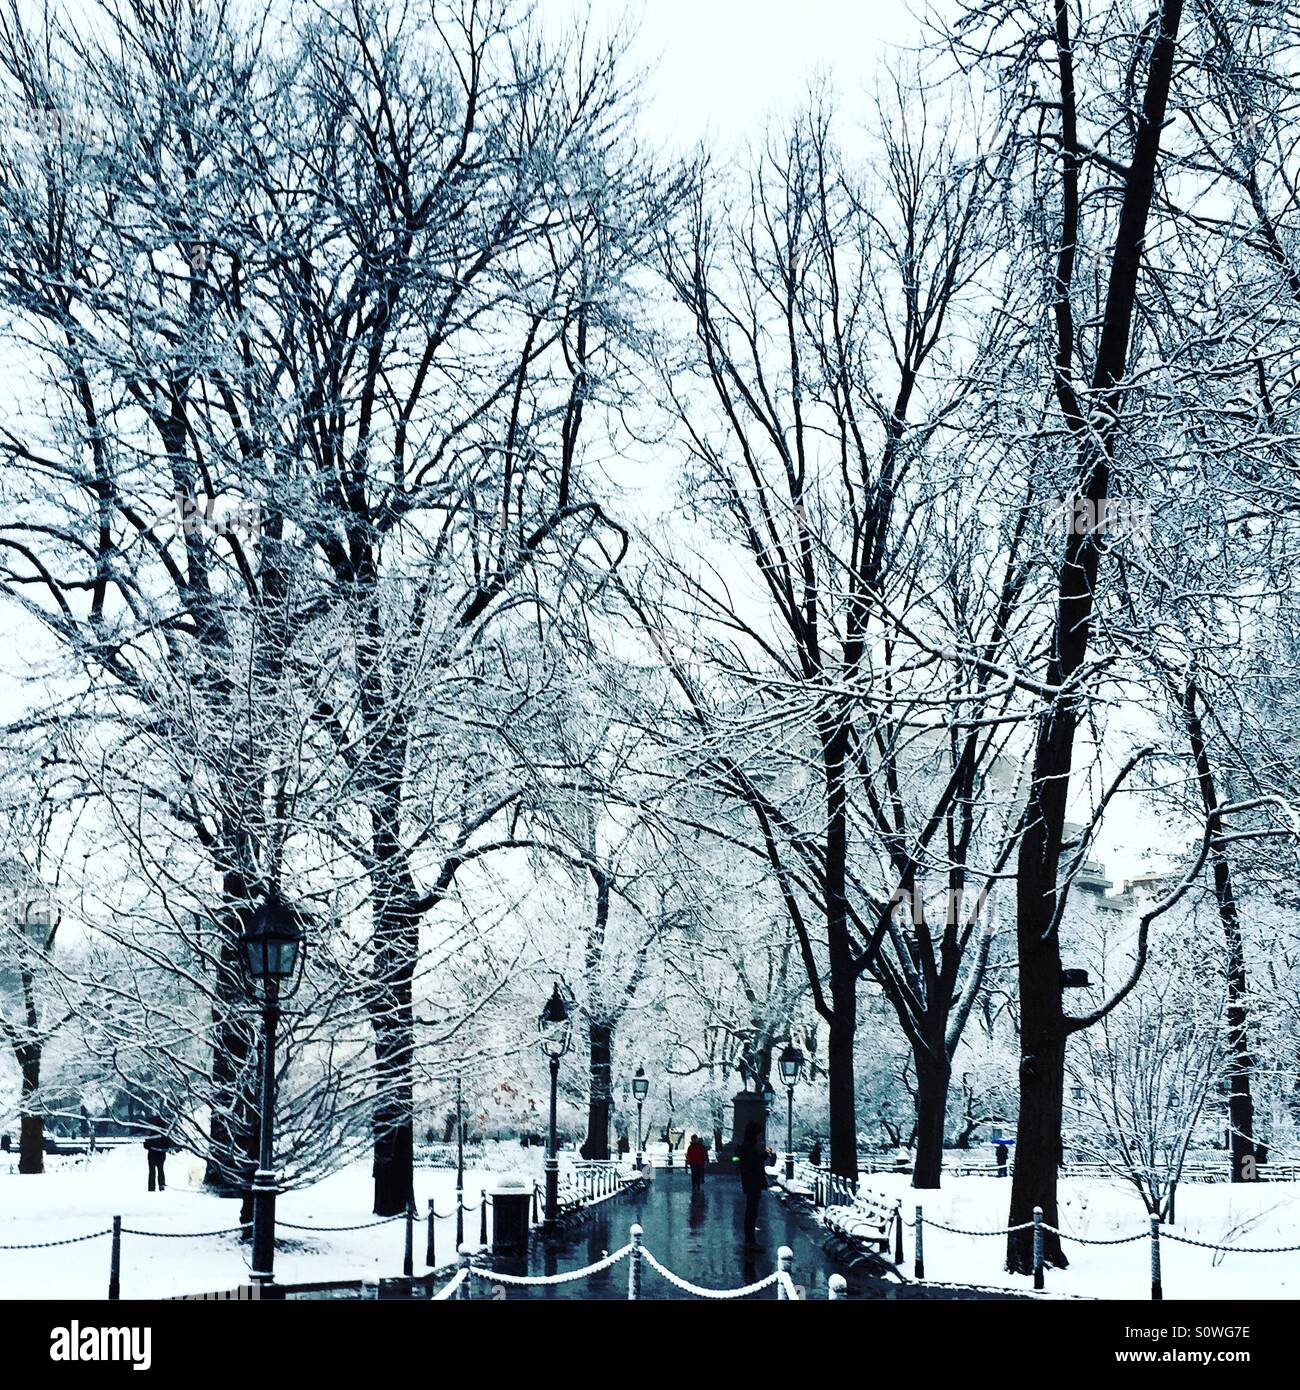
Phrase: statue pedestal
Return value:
(747, 1107)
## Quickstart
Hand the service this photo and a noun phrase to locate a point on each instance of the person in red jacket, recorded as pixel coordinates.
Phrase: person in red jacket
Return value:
(697, 1158)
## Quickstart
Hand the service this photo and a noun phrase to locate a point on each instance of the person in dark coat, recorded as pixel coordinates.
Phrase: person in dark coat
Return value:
(753, 1180)
(697, 1159)
(815, 1154)
(156, 1148)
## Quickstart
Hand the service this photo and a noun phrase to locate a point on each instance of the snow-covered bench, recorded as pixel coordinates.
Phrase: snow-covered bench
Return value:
(867, 1220)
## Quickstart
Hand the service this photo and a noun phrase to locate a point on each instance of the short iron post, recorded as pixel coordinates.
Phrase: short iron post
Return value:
(784, 1264)
(918, 1251)
(430, 1250)
(1157, 1293)
(898, 1232)
(1038, 1247)
(634, 1266)
(408, 1248)
(837, 1288)
(463, 1290)
(482, 1216)
(536, 1205)
(115, 1262)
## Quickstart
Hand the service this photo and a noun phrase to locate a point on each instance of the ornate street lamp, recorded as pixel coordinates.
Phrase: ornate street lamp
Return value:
(790, 1063)
(272, 950)
(553, 1032)
(640, 1089)
(38, 923)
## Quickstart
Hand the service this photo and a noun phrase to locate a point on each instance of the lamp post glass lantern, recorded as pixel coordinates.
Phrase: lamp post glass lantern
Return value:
(553, 1032)
(640, 1089)
(790, 1063)
(271, 951)
(37, 920)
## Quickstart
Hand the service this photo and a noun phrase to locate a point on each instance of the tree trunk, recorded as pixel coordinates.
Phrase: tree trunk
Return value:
(840, 1084)
(1241, 1103)
(392, 1014)
(600, 1038)
(394, 1133)
(1043, 1027)
(1042, 1016)
(1038, 1133)
(932, 1078)
(31, 1122)
(232, 1135)
(394, 1028)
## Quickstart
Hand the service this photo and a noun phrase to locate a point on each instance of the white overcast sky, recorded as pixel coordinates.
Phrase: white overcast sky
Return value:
(718, 69)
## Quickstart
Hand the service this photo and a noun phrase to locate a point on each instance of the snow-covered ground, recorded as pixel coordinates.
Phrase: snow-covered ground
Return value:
(73, 1199)
(1256, 1214)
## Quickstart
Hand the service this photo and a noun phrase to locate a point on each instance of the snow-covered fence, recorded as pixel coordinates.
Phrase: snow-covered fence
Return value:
(117, 1231)
(589, 1184)
(448, 1156)
(861, 1217)
(1203, 1168)
(638, 1256)
(1040, 1227)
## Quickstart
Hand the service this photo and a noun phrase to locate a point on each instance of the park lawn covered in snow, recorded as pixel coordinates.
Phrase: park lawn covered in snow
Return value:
(71, 1200)
(1255, 1214)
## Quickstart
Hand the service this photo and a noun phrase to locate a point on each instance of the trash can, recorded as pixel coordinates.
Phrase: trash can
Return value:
(512, 1202)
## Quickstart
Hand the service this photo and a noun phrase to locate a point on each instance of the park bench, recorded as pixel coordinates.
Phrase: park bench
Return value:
(868, 1219)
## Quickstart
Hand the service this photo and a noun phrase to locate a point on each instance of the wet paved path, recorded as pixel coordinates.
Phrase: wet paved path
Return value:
(697, 1235)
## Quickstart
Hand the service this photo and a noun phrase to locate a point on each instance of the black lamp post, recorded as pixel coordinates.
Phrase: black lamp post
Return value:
(790, 1063)
(553, 1029)
(640, 1089)
(460, 1166)
(272, 952)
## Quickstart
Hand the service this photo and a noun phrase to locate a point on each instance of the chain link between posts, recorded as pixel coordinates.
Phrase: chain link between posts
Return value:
(698, 1290)
(188, 1235)
(335, 1230)
(50, 1244)
(448, 1290)
(568, 1277)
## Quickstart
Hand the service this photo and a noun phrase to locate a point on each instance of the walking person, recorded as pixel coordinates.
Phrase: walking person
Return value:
(697, 1159)
(156, 1148)
(753, 1180)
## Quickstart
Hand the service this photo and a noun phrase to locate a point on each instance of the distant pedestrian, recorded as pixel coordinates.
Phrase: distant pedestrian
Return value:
(697, 1159)
(753, 1180)
(815, 1154)
(156, 1148)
